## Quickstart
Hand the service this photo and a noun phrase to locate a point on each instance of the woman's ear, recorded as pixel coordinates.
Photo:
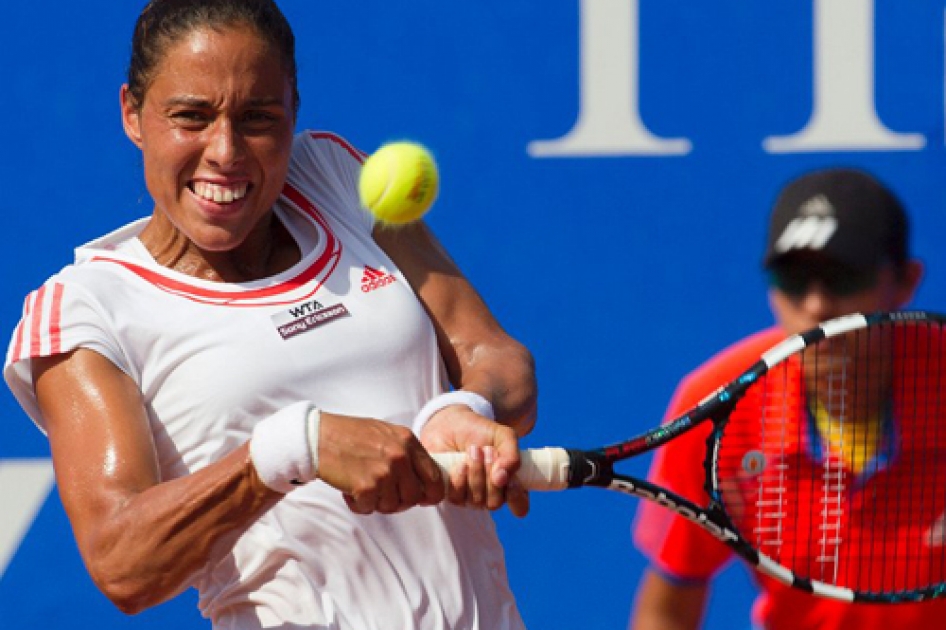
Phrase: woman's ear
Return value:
(131, 117)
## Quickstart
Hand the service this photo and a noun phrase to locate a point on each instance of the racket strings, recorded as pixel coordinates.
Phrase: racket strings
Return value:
(770, 500)
(831, 418)
(834, 462)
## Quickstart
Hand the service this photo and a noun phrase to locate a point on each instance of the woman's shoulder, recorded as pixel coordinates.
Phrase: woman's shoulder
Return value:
(325, 148)
(324, 170)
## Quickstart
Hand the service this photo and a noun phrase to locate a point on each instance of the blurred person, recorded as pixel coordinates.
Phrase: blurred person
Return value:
(838, 243)
(234, 402)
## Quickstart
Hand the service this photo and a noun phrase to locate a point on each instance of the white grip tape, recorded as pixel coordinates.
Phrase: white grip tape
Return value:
(541, 469)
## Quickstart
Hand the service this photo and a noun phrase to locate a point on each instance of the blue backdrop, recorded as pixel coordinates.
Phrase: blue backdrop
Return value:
(607, 169)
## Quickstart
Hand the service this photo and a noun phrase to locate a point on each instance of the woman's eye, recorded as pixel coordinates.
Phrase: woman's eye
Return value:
(259, 119)
(189, 118)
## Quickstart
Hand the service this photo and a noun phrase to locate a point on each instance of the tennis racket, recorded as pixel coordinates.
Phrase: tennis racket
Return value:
(825, 463)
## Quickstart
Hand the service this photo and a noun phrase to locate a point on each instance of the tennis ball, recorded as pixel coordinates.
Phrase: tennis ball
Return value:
(399, 183)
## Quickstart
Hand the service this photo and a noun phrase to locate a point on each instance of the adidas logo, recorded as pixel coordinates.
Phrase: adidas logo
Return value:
(373, 279)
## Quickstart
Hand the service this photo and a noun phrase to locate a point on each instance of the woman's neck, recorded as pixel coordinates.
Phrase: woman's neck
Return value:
(267, 251)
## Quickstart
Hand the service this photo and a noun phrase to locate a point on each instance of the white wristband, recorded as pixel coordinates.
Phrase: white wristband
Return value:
(459, 397)
(285, 447)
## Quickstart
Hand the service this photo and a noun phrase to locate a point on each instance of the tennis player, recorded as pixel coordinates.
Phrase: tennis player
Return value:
(234, 403)
(838, 242)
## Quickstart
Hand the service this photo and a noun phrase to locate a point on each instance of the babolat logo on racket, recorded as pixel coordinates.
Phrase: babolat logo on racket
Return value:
(694, 515)
(307, 316)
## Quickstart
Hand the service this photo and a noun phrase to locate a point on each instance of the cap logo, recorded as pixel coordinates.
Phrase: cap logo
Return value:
(811, 229)
(817, 206)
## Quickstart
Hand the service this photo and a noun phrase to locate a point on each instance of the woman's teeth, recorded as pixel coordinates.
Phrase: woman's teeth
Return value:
(219, 193)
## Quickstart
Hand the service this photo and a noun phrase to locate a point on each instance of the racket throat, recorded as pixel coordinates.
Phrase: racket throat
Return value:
(589, 469)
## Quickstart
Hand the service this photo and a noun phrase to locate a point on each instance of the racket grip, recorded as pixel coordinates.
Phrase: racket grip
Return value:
(541, 469)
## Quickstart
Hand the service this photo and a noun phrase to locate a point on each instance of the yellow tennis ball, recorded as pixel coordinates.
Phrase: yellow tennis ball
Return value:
(399, 183)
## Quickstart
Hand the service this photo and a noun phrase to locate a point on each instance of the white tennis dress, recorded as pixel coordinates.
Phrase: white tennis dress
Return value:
(343, 329)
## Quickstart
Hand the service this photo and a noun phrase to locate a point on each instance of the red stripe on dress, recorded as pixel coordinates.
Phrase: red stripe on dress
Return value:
(55, 320)
(330, 255)
(18, 344)
(326, 135)
(36, 323)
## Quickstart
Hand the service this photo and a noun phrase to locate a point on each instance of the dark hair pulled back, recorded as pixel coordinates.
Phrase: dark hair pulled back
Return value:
(163, 23)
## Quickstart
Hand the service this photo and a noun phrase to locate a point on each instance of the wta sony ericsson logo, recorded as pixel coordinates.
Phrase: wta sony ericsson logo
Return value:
(307, 316)
(373, 279)
(814, 226)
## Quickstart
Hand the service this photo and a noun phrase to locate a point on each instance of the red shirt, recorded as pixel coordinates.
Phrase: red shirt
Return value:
(683, 551)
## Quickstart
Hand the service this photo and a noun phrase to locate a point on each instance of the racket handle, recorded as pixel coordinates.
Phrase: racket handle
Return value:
(541, 469)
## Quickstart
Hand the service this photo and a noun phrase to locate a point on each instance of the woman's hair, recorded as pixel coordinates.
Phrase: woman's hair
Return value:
(163, 23)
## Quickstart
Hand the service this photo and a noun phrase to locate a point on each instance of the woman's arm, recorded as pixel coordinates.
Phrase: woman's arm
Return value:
(480, 357)
(141, 537)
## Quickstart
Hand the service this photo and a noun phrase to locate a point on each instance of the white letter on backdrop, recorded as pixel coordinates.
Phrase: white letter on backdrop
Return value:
(609, 121)
(24, 486)
(844, 115)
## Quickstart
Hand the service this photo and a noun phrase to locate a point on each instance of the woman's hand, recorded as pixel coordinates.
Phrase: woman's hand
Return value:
(486, 479)
(378, 466)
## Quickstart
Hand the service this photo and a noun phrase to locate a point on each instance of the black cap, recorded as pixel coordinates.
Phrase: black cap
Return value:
(844, 214)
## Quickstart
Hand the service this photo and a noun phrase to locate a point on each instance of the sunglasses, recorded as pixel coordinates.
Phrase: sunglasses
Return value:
(795, 280)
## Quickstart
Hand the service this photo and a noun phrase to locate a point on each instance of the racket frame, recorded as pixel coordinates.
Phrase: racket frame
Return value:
(595, 467)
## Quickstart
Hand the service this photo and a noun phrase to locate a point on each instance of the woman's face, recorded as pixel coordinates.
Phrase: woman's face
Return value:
(215, 130)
